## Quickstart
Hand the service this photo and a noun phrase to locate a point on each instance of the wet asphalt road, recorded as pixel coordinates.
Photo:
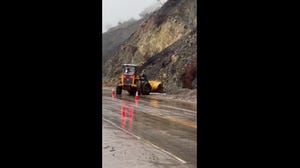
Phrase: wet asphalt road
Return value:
(168, 127)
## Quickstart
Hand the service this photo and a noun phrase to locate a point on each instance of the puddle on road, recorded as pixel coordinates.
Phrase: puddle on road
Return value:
(127, 115)
(175, 103)
(133, 118)
(153, 103)
(166, 111)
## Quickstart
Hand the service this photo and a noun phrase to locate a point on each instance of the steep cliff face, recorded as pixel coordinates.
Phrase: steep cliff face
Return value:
(115, 36)
(164, 44)
(176, 65)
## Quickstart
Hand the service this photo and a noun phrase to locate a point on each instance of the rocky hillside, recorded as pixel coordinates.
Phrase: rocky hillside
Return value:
(176, 65)
(165, 44)
(115, 36)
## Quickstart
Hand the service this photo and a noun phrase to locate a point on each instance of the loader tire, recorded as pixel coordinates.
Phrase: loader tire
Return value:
(160, 88)
(146, 89)
(119, 89)
(139, 87)
(131, 92)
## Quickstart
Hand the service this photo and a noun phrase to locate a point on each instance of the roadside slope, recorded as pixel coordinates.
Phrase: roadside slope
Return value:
(165, 44)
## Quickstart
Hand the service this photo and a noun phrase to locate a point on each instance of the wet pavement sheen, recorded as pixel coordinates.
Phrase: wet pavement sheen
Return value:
(149, 132)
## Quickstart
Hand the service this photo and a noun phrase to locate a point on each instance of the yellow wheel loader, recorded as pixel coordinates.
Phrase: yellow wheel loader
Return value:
(131, 81)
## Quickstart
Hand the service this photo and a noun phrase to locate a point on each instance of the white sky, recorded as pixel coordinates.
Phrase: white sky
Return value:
(114, 11)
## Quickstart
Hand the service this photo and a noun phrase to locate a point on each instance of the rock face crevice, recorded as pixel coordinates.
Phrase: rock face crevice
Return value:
(164, 44)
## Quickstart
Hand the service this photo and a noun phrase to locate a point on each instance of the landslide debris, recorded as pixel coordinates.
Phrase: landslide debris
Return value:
(164, 43)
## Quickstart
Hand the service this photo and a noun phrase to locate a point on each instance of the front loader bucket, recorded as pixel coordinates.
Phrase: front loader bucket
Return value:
(156, 86)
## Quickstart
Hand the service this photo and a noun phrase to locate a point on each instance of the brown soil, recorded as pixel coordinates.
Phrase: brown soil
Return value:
(186, 95)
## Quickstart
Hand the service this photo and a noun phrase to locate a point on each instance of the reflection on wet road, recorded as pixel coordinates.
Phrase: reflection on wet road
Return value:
(169, 125)
(126, 114)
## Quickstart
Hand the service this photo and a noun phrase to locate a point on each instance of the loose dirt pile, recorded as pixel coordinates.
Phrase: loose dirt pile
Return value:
(186, 95)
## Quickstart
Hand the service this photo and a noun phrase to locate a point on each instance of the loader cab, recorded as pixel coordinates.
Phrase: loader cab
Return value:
(129, 76)
(129, 69)
(131, 81)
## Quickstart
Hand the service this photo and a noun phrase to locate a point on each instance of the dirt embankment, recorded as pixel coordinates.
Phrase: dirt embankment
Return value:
(185, 95)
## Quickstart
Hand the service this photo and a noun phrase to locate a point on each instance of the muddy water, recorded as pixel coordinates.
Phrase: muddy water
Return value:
(169, 125)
